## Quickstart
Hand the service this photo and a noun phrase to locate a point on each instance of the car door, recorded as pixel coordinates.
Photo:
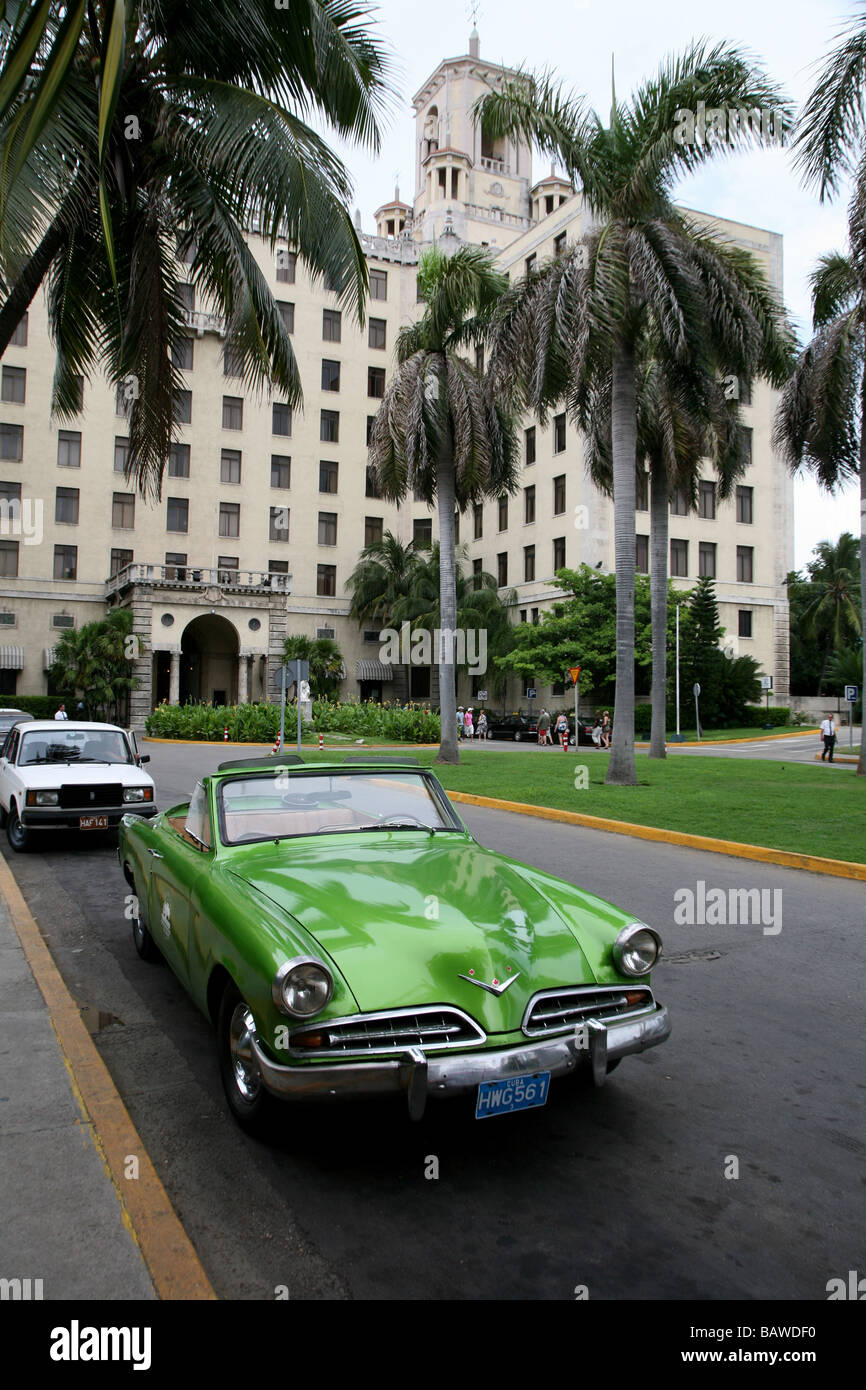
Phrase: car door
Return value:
(176, 864)
(7, 764)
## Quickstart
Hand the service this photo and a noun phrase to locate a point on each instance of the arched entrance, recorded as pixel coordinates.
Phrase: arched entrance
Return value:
(209, 651)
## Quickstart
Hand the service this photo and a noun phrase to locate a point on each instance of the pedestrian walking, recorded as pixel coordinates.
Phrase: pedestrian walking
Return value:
(460, 718)
(468, 724)
(606, 730)
(596, 729)
(544, 728)
(481, 731)
(61, 713)
(562, 730)
(828, 733)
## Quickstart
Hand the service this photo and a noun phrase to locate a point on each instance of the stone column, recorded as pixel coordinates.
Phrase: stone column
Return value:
(243, 679)
(174, 679)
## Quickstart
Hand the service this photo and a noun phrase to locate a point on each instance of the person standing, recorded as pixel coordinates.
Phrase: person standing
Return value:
(543, 727)
(562, 730)
(61, 713)
(468, 725)
(606, 730)
(828, 733)
(460, 717)
(482, 726)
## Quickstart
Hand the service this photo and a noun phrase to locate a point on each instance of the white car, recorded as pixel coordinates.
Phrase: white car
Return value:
(70, 775)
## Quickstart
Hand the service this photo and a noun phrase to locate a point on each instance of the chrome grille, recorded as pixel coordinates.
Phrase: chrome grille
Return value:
(561, 1010)
(432, 1029)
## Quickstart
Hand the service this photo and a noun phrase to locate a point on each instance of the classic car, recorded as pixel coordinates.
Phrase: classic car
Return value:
(70, 775)
(348, 937)
(521, 728)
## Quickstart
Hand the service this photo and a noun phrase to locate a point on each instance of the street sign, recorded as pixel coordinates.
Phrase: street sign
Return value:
(482, 695)
(852, 693)
(574, 672)
(766, 682)
(530, 694)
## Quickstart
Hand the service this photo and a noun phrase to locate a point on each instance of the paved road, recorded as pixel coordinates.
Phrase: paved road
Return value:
(623, 1189)
(796, 749)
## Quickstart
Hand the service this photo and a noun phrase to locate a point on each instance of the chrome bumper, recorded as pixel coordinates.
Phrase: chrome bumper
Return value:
(441, 1074)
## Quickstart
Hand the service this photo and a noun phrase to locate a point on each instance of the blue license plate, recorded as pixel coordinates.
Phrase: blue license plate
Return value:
(510, 1094)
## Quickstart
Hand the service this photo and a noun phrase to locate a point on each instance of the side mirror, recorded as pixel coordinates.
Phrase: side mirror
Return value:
(144, 758)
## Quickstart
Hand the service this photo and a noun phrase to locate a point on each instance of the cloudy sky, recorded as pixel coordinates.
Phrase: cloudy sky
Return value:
(577, 38)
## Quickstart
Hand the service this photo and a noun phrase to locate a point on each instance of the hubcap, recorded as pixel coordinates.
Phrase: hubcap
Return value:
(242, 1030)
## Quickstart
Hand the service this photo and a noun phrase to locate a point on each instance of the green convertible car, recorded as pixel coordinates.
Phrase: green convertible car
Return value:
(348, 937)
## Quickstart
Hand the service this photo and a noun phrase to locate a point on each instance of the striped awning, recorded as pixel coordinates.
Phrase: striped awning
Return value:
(11, 658)
(369, 670)
(47, 658)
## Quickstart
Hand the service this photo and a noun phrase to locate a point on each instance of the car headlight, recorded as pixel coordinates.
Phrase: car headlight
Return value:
(302, 987)
(636, 949)
(42, 798)
(138, 793)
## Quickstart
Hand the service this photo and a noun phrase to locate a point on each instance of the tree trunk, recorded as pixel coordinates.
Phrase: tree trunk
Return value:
(621, 770)
(32, 274)
(861, 764)
(659, 604)
(448, 751)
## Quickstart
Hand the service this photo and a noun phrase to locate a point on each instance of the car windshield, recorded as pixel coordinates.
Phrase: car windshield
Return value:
(274, 805)
(73, 746)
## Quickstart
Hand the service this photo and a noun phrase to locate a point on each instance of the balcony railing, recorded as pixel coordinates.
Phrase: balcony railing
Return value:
(188, 577)
(389, 248)
(494, 166)
(506, 219)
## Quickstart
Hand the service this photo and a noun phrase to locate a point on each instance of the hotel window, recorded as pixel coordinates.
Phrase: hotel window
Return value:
(278, 524)
(182, 355)
(377, 333)
(175, 564)
(422, 532)
(281, 470)
(559, 553)
(528, 563)
(14, 385)
(68, 449)
(123, 510)
(531, 682)
(333, 283)
(230, 519)
(177, 514)
(706, 560)
(286, 311)
(476, 574)
(707, 500)
(186, 295)
(529, 445)
(227, 569)
(121, 453)
(745, 567)
(330, 375)
(503, 513)
(66, 562)
(178, 461)
(19, 337)
(12, 442)
(9, 559)
(679, 558)
(376, 382)
(371, 488)
(559, 495)
(327, 528)
(328, 475)
(749, 434)
(528, 505)
(66, 506)
(531, 264)
(183, 407)
(329, 426)
(477, 520)
(119, 560)
(502, 569)
(278, 566)
(233, 362)
(281, 419)
(125, 393)
(744, 505)
(230, 465)
(332, 321)
(233, 413)
(287, 262)
(559, 243)
(371, 420)
(641, 497)
(10, 493)
(679, 502)
(185, 249)
(744, 626)
(641, 554)
(326, 580)
(372, 529)
(62, 620)
(558, 433)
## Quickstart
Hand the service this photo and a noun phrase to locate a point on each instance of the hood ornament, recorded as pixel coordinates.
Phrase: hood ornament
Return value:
(497, 987)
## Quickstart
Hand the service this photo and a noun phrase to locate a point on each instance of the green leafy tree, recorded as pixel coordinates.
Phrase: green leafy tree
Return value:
(381, 577)
(327, 667)
(440, 430)
(96, 661)
(133, 130)
(645, 265)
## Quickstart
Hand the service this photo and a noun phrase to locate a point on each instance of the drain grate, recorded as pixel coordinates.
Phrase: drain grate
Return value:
(688, 956)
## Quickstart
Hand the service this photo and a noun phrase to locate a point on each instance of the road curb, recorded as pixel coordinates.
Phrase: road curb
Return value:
(789, 859)
(723, 742)
(146, 1211)
(848, 758)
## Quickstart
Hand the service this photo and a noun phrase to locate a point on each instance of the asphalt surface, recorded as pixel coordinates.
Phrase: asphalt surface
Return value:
(623, 1190)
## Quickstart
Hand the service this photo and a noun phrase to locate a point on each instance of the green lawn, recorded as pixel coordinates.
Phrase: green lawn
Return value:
(729, 735)
(783, 805)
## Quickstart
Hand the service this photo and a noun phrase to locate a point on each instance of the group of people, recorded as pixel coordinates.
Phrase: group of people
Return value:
(601, 731)
(467, 727)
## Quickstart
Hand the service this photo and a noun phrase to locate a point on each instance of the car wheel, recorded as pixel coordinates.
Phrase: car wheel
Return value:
(144, 942)
(252, 1106)
(16, 833)
(2, 818)
(517, 738)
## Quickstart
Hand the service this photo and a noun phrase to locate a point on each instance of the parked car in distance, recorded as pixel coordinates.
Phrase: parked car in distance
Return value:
(521, 728)
(70, 775)
(347, 937)
(8, 717)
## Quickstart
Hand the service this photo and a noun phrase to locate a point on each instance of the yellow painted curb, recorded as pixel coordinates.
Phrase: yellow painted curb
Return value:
(851, 759)
(146, 1210)
(720, 742)
(838, 868)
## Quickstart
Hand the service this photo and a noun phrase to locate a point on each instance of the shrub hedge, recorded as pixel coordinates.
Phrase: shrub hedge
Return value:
(40, 706)
(261, 723)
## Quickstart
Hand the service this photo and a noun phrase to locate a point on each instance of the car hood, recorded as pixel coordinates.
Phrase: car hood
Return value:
(404, 916)
(53, 775)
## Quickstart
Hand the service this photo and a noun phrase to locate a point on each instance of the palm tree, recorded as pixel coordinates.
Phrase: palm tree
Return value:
(134, 132)
(327, 667)
(440, 430)
(580, 318)
(833, 610)
(96, 662)
(381, 577)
